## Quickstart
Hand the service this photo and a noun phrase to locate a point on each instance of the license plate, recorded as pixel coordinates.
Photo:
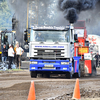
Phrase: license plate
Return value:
(48, 66)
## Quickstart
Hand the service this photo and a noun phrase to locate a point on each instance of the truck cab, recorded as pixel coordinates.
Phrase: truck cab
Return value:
(51, 50)
(81, 48)
(7, 37)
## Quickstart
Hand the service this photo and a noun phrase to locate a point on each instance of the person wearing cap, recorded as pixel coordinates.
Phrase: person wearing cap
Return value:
(19, 52)
(10, 55)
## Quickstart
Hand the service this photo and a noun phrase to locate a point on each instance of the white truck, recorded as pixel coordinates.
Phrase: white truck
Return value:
(51, 50)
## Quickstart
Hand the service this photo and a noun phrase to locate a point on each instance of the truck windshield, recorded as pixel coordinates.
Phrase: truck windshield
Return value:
(50, 36)
(79, 32)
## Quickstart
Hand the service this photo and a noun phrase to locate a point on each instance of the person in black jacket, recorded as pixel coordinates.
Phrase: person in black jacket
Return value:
(4, 53)
(97, 56)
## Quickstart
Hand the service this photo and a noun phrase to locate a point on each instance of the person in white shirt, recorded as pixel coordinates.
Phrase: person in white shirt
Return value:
(19, 52)
(10, 55)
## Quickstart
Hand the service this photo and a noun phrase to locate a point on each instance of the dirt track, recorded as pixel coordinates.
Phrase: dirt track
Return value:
(15, 86)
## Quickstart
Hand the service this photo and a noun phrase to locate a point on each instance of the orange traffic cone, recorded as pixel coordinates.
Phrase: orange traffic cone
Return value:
(76, 94)
(31, 95)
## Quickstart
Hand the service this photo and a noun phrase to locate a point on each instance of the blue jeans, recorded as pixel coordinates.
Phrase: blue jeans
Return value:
(4, 59)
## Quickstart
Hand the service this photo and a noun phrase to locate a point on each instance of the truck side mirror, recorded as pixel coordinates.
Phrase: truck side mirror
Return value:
(25, 37)
(75, 37)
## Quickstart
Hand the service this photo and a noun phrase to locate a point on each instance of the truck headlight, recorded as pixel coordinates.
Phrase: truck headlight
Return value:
(34, 62)
(33, 68)
(64, 63)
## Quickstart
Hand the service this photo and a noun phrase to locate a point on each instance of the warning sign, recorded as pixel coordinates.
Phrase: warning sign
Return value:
(83, 50)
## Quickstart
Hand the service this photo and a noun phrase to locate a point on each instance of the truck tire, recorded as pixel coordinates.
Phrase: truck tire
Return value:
(33, 74)
(81, 69)
(68, 75)
(79, 73)
(94, 72)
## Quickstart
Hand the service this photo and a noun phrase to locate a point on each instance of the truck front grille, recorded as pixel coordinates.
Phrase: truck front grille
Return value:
(46, 53)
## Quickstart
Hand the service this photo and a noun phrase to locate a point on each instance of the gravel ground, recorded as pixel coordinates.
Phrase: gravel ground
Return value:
(14, 85)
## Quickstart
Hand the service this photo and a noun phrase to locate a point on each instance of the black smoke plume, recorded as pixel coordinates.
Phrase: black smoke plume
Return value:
(72, 8)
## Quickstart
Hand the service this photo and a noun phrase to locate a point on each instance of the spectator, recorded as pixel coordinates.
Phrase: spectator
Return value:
(15, 51)
(19, 52)
(97, 56)
(4, 53)
(10, 55)
(14, 54)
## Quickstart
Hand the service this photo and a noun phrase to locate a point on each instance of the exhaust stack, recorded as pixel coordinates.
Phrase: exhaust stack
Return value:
(71, 26)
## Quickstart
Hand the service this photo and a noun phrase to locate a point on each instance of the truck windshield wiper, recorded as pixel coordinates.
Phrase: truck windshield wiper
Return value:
(41, 42)
(56, 42)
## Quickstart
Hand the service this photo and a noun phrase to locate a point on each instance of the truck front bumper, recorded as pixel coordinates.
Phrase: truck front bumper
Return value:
(51, 65)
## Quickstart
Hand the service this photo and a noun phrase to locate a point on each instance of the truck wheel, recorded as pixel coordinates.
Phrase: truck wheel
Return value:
(33, 74)
(81, 66)
(68, 75)
(81, 69)
(79, 73)
(94, 71)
